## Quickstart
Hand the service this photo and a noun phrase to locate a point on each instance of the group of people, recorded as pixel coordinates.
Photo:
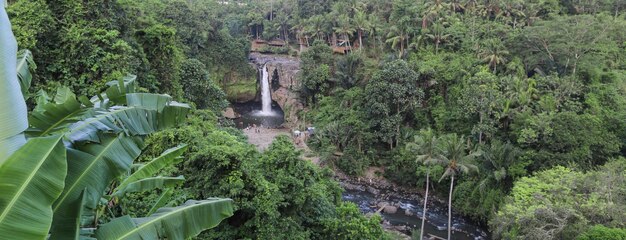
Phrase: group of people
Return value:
(256, 129)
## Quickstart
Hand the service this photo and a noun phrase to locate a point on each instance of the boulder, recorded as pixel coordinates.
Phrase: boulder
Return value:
(230, 113)
(382, 204)
(390, 209)
(408, 212)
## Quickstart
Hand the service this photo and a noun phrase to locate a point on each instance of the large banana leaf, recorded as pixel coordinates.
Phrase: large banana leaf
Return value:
(116, 92)
(30, 181)
(92, 167)
(130, 120)
(167, 158)
(53, 117)
(13, 120)
(150, 183)
(161, 201)
(181, 222)
(170, 113)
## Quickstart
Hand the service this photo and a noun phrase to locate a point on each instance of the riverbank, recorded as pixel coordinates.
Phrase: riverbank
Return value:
(401, 207)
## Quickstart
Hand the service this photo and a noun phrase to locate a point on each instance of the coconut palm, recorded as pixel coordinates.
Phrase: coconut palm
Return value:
(457, 160)
(496, 159)
(426, 147)
(344, 27)
(493, 53)
(376, 27)
(397, 36)
(433, 10)
(437, 34)
(316, 26)
(362, 24)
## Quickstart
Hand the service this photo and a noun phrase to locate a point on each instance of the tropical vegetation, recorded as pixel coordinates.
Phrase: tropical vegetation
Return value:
(516, 109)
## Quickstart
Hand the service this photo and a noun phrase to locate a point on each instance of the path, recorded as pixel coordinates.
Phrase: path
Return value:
(263, 140)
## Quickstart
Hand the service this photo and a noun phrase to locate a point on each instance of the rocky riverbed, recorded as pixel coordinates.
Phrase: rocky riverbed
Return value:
(401, 208)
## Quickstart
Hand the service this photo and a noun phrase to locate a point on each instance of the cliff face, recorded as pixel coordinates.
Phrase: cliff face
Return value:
(284, 82)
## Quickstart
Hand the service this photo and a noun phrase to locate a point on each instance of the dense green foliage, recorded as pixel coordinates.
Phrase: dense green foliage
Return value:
(278, 195)
(538, 89)
(534, 84)
(84, 44)
(561, 203)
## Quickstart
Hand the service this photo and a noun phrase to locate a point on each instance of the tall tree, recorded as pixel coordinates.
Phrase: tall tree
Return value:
(362, 24)
(392, 93)
(427, 150)
(493, 53)
(344, 28)
(457, 160)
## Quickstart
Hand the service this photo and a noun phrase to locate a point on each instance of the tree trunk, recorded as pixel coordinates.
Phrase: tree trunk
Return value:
(401, 48)
(480, 134)
(450, 209)
(360, 39)
(425, 207)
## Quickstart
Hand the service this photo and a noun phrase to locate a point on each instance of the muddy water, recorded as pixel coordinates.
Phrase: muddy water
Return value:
(437, 216)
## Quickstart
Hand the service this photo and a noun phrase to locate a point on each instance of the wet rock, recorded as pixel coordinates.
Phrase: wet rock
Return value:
(408, 212)
(382, 204)
(401, 228)
(373, 190)
(390, 209)
(284, 83)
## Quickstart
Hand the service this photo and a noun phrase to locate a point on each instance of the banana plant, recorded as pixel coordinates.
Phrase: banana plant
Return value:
(14, 120)
(53, 181)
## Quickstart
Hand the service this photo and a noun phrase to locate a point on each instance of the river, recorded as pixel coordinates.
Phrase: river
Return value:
(437, 216)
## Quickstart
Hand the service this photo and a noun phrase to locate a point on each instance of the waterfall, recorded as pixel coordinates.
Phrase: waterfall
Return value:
(266, 97)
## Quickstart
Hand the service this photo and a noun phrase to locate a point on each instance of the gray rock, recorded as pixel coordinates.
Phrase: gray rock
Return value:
(382, 204)
(390, 209)
(230, 113)
(408, 212)
(373, 190)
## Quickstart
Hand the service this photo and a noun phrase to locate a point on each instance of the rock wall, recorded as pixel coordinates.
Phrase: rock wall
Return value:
(284, 83)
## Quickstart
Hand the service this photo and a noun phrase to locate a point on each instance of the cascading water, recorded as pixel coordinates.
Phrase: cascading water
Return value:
(266, 97)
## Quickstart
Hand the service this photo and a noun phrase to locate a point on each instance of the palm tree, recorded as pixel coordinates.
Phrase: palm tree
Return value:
(397, 36)
(493, 53)
(496, 159)
(433, 10)
(426, 146)
(362, 24)
(438, 35)
(457, 160)
(316, 26)
(376, 26)
(344, 28)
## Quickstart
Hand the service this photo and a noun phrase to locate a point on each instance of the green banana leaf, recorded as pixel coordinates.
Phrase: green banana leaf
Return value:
(130, 120)
(53, 117)
(161, 201)
(13, 120)
(115, 94)
(30, 181)
(92, 167)
(167, 158)
(150, 183)
(181, 222)
(25, 63)
(170, 113)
